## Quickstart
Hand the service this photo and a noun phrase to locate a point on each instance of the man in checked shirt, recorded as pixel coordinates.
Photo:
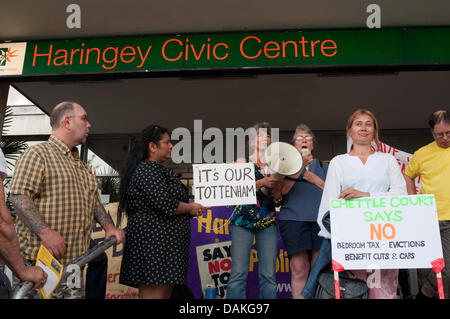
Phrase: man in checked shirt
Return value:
(55, 195)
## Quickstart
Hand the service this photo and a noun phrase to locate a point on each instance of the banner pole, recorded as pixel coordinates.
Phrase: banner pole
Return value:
(440, 285)
(337, 267)
(437, 265)
(337, 287)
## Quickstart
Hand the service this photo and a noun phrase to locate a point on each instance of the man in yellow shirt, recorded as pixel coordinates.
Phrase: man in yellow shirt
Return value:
(55, 195)
(432, 163)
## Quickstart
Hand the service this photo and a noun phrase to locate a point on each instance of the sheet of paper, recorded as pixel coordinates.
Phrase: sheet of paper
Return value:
(52, 279)
(52, 268)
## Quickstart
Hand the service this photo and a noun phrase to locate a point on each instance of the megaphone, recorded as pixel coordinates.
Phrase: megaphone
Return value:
(282, 159)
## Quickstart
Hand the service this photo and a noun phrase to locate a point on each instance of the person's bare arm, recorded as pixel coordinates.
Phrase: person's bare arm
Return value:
(287, 184)
(314, 179)
(410, 184)
(28, 213)
(30, 216)
(102, 216)
(10, 250)
(9, 244)
(192, 209)
(104, 219)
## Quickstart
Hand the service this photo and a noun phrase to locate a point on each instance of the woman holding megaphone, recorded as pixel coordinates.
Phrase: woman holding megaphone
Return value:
(259, 221)
(302, 193)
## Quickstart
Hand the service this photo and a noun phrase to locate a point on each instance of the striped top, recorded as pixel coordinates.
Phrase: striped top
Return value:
(64, 192)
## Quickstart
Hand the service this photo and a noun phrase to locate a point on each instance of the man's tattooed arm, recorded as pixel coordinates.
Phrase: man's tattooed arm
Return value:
(28, 213)
(30, 216)
(102, 217)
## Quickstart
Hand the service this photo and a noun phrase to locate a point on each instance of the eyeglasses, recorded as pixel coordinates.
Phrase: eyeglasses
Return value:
(441, 135)
(82, 117)
(301, 138)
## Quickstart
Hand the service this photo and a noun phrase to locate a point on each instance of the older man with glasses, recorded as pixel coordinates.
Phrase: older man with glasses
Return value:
(432, 164)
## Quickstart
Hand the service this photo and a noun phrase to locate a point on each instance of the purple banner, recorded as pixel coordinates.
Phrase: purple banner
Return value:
(210, 250)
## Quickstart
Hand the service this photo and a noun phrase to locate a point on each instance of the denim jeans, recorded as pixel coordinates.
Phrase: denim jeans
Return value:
(323, 260)
(241, 245)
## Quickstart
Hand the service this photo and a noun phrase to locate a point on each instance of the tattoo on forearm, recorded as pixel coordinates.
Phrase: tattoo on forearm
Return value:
(102, 217)
(27, 212)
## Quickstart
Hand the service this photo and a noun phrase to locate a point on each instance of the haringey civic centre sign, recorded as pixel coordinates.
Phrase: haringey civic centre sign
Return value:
(290, 49)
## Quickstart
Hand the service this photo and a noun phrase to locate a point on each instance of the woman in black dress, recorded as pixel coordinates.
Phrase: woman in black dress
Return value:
(155, 256)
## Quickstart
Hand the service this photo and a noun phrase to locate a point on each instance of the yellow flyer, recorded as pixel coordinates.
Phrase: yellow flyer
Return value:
(52, 268)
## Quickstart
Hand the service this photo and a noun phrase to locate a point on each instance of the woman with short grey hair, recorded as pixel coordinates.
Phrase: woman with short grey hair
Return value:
(298, 215)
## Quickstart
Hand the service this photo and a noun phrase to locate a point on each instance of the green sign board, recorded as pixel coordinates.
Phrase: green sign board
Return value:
(292, 49)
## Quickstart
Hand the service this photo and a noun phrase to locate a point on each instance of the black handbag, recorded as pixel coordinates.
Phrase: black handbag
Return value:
(350, 288)
(5, 286)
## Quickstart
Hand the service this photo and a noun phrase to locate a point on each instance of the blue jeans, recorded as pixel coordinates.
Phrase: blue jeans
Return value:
(323, 261)
(241, 245)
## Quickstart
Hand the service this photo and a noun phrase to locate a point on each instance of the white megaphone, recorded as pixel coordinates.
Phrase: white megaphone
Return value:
(282, 159)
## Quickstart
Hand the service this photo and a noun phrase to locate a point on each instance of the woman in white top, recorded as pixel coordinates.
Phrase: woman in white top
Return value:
(363, 172)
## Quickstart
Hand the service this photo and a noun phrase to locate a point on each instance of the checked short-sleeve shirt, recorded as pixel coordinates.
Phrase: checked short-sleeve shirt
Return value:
(64, 192)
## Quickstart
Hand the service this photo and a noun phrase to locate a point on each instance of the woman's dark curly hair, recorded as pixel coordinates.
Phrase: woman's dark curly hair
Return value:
(137, 154)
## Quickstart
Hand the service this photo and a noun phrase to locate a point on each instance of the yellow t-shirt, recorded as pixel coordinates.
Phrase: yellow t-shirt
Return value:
(432, 163)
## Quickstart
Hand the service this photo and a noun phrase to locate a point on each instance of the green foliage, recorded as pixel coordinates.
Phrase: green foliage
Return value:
(11, 148)
(109, 184)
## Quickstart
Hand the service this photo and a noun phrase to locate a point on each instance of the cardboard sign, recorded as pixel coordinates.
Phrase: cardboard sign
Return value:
(224, 184)
(387, 232)
(214, 264)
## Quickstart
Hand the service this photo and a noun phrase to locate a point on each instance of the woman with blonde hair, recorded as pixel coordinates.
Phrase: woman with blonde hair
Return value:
(364, 172)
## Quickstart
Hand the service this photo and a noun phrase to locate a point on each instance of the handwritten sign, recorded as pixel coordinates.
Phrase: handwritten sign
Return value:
(388, 232)
(224, 184)
(214, 264)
